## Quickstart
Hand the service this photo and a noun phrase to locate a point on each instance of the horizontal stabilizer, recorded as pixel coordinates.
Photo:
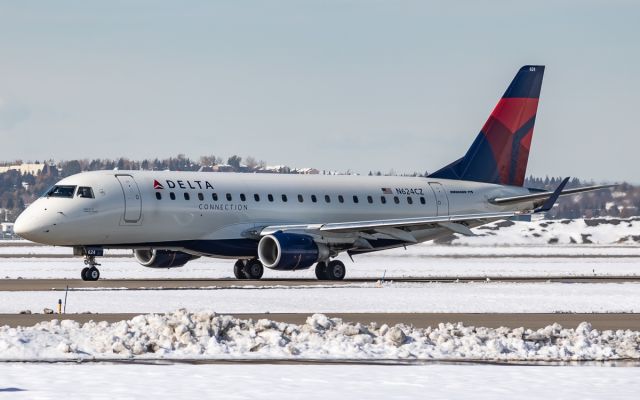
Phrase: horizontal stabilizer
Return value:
(536, 197)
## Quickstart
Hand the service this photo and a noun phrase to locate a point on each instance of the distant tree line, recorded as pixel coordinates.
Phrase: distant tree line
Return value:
(19, 190)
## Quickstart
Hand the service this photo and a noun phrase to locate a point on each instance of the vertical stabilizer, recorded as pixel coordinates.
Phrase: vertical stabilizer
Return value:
(501, 150)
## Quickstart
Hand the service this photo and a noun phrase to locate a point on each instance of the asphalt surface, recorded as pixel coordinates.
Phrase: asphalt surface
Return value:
(9, 285)
(612, 321)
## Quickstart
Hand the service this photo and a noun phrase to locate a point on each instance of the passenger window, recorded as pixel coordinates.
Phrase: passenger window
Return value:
(172, 196)
(158, 195)
(256, 197)
(270, 197)
(300, 198)
(422, 201)
(284, 198)
(340, 198)
(409, 200)
(383, 200)
(186, 196)
(200, 196)
(314, 198)
(85, 192)
(355, 199)
(396, 200)
(229, 197)
(214, 196)
(370, 199)
(327, 198)
(243, 197)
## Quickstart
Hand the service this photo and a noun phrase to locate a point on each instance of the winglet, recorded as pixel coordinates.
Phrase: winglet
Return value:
(553, 198)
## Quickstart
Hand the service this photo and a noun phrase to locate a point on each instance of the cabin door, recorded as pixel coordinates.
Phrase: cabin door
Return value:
(132, 199)
(442, 201)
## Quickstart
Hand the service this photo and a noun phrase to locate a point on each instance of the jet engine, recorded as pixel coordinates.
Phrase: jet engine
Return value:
(290, 251)
(162, 258)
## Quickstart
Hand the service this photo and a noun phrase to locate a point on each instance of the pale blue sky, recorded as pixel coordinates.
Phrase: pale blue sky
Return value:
(357, 85)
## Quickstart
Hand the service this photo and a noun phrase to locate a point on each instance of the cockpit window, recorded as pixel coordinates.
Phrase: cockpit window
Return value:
(86, 192)
(61, 191)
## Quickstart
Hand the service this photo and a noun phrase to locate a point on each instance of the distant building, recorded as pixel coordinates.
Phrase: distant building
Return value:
(308, 171)
(32, 168)
(7, 228)
(222, 168)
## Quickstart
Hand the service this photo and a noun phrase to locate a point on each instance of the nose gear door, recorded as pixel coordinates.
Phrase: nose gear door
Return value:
(442, 201)
(132, 199)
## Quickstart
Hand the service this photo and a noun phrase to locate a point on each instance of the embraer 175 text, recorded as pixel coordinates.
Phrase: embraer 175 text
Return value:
(291, 222)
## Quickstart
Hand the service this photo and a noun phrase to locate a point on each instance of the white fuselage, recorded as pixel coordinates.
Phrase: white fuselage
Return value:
(213, 214)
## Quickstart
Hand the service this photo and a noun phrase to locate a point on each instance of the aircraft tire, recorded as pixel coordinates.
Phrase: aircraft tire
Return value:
(84, 274)
(336, 270)
(93, 274)
(253, 269)
(321, 271)
(238, 270)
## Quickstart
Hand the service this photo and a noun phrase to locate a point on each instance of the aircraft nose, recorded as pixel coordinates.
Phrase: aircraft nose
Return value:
(25, 225)
(31, 226)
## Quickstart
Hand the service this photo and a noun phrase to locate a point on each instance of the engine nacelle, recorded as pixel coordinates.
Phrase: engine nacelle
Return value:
(162, 258)
(290, 251)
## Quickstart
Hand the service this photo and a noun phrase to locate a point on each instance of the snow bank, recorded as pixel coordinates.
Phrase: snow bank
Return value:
(206, 335)
(598, 231)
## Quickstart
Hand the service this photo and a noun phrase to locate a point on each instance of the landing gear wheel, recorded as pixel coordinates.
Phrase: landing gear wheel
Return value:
(321, 271)
(253, 269)
(93, 274)
(84, 274)
(238, 269)
(336, 270)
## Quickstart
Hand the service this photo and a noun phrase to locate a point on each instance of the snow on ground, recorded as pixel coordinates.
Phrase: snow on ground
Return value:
(205, 335)
(314, 382)
(566, 231)
(476, 297)
(423, 260)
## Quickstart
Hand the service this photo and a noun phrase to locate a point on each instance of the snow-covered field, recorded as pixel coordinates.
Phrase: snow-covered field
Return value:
(435, 381)
(423, 260)
(205, 335)
(477, 297)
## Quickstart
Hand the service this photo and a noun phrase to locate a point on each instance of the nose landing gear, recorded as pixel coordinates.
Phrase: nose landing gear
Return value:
(90, 272)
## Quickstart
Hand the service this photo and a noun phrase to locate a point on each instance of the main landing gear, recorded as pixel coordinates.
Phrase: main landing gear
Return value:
(248, 269)
(90, 272)
(331, 271)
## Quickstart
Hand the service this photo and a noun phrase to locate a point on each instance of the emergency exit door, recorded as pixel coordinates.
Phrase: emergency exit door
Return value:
(132, 199)
(442, 201)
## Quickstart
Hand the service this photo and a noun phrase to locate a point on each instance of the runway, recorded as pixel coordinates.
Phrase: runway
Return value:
(608, 321)
(9, 285)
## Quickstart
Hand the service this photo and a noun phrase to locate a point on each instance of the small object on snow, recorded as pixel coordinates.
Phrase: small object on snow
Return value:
(59, 306)
(25, 312)
(47, 311)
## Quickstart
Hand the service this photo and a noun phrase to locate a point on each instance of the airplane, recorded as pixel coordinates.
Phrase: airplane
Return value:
(293, 222)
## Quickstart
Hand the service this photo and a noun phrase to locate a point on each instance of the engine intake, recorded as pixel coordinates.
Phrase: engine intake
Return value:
(289, 251)
(162, 258)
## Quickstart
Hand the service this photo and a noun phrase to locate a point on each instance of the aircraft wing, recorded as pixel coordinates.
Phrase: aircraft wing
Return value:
(541, 196)
(398, 228)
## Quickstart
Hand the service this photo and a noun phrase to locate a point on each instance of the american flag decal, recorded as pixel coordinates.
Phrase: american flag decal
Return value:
(386, 191)
(157, 185)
